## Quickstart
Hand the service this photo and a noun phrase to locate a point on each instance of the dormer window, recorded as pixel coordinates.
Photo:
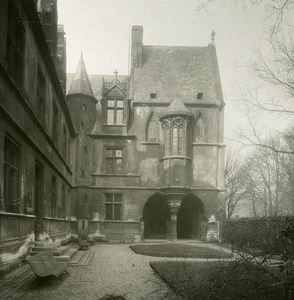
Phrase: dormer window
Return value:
(115, 111)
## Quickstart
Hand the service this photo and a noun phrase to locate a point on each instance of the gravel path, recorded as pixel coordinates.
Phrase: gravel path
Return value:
(110, 270)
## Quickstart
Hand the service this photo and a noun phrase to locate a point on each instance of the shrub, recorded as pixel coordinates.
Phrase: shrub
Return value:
(269, 235)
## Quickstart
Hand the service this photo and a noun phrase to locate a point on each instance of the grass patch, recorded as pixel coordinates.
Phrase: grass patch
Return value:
(178, 250)
(223, 280)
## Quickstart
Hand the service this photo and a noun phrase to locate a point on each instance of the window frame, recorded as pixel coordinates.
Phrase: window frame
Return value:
(114, 158)
(41, 96)
(12, 203)
(115, 109)
(15, 52)
(114, 201)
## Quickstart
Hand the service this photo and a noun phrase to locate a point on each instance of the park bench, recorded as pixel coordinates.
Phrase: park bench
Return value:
(44, 264)
(83, 244)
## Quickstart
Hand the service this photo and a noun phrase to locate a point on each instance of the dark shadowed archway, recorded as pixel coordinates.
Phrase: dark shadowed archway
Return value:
(156, 217)
(190, 217)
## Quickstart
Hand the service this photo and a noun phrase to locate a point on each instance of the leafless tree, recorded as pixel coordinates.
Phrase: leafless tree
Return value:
(235, 182)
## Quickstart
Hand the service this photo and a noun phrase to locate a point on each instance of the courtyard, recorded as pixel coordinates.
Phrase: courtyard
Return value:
(104, 270)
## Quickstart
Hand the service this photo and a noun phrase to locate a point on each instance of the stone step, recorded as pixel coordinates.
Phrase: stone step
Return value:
(60, 250)
(67, 255)
(44, 248)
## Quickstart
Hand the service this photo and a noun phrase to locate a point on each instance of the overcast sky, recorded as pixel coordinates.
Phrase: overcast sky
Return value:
(101, 28)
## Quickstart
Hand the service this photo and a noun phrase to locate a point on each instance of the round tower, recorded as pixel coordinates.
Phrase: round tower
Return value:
(81, 100)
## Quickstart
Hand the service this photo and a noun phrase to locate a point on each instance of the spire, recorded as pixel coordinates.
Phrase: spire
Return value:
(212, 36)
(81, 83)
(177, 107)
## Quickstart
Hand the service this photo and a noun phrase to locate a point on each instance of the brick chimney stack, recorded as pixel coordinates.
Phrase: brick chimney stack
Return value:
(137, 46)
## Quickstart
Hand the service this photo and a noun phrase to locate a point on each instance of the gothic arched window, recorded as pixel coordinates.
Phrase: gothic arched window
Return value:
(151, 130)
(177, 137)
(199, 129)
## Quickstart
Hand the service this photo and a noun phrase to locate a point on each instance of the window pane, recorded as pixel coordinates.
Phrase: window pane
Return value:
(117, 197)
(110, 103)
(108, 211)
(181, 141)
(117, 211)
(119, 116)
(120, 103)
(152, 131)
(167, 141)
(118, 153)
(109, 166)
(109, 197)
(109, 152)
(175, 141)
(119, 165)
(110, 116)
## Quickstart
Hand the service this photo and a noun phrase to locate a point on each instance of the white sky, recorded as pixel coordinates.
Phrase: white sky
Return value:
(100, 29)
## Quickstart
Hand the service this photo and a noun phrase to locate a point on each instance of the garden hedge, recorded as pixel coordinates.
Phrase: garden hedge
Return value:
(270, 235)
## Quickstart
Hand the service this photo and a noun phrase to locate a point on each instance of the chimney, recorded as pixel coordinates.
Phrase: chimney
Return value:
(137, 46)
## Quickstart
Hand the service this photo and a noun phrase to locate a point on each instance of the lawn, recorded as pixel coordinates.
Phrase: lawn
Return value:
(179, 250)
(230, 280)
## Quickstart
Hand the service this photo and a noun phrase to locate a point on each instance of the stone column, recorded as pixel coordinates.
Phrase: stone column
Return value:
(174, 206)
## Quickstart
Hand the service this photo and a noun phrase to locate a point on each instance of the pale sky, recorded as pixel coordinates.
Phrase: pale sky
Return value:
(101, 28)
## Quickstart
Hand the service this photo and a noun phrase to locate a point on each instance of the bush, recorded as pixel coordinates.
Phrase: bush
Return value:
(269, 235)
(225, 280)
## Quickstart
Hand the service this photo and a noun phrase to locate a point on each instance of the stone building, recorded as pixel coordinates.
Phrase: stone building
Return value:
(123, 157)
(36, 130)
(152, 148)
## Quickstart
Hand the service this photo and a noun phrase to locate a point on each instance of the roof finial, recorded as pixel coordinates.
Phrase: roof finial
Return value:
(115, 73)
(212, 36)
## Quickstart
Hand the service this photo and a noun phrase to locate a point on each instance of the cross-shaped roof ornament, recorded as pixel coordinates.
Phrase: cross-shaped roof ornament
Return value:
(115, 73)
(212, 36)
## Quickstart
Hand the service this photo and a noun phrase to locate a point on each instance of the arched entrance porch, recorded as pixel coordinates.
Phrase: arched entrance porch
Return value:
(156, 217)
(190, 218)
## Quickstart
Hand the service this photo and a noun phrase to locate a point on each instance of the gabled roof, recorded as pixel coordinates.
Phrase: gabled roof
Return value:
(81, 83)
(177, 107)
(115, 91)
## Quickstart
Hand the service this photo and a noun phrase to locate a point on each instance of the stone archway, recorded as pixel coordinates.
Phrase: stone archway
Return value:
(156, 217)
(190, 218)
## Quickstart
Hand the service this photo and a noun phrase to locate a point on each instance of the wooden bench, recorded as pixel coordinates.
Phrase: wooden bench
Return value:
(44, 264)
(83, 244)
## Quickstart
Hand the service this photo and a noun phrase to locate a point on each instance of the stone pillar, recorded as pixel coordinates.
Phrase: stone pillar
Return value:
(174, 206)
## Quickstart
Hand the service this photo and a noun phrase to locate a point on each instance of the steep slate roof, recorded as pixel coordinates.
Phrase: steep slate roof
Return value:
(81, 83)
(96, 82)
(177, 107)
(172, 70)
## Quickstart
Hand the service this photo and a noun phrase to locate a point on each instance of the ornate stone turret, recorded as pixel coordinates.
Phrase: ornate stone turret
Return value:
(176, 160)
(81, 100)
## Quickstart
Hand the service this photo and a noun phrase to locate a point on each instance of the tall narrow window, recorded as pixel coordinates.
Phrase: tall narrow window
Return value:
(166, 137)
(15, 45)
(114, 160)
(115, 111)
(64, 142)
(53, 200)
(11, 176)
(199, 129)
(63, 203)
(177, 137)
(113, 206)
(41, 97)
(55, 124)
(151, 130)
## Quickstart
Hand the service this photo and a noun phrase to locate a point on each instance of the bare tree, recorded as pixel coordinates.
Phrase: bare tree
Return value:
(235, 182)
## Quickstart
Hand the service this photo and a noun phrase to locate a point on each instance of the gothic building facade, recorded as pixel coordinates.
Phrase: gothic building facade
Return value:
(151, 149)
(120, 157)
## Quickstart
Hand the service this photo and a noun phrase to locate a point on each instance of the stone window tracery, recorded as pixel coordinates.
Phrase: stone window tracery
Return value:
(152, 130)
(199, 129)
